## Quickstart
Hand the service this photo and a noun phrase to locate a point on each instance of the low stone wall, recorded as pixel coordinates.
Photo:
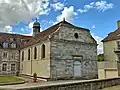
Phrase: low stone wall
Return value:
(75, 85)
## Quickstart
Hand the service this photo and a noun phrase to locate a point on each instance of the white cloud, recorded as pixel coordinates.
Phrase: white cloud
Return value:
(30, 25)
(101, 6)
(6, 29)
(67, 13)
(93, 26)
(57, 6)
(12, 11)
(100, 44)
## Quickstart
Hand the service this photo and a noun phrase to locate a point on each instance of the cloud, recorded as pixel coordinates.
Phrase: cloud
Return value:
(57, 6)
(93, 26)
(67, 13)
(12, 11)
(100, 6)
(100, 44)
(6, 29)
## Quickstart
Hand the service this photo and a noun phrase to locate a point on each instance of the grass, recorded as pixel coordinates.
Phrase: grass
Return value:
(9, 79)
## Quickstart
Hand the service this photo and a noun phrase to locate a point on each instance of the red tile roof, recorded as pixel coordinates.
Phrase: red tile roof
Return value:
(29, 40)
(7, 36)
(45, 34)
(112, 36)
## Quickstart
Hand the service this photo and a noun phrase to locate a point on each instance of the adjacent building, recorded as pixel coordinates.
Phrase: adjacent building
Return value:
(63, 51)
(110, 67)
(10, 52)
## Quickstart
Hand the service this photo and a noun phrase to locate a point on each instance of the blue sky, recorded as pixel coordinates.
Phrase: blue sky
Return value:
(100, 16)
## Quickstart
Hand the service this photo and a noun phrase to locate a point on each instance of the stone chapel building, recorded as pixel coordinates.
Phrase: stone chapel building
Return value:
(63, 51)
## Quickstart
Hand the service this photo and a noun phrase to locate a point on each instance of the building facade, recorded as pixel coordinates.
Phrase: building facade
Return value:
(10, 52)
(110, 67)
(62, 51)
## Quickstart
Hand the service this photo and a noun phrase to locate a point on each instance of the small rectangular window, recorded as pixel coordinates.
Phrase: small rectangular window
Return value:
(118, 44)
(4, 67)
(13, 55)
(12, 67)
(5, 55)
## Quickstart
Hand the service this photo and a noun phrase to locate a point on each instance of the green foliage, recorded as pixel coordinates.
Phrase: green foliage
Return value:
(34, 75)
(8, 79)
(100, 57)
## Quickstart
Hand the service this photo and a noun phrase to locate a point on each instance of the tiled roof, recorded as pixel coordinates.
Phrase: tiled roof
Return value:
(112, 36)
(17, 37)
(45, 34)
(29, 40)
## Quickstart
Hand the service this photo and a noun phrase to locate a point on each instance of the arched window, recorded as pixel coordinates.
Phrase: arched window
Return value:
(22, 55)
(28, 54)
(5, 44)
(43, 51)
(35, 53)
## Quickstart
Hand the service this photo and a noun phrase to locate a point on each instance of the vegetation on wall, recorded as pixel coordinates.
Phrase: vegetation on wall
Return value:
(100, 57)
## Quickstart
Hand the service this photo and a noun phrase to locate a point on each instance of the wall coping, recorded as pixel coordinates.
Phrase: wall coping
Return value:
(57, 83)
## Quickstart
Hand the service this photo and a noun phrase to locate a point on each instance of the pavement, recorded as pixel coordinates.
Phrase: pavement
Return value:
(37, 84)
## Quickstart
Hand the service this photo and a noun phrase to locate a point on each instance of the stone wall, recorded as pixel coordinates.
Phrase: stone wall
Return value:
(73, 85)
(12, 58)
(67, 49)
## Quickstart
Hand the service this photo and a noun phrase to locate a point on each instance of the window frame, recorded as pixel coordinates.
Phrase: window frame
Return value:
(22, 56)
(4, 67)
(43, 51)
(29, 54)
(13, 68)
(35, 53)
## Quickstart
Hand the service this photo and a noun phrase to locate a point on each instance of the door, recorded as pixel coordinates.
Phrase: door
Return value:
(77, 69)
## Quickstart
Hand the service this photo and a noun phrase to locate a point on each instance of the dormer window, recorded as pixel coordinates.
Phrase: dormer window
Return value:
(13, 45)
(5, 44)
(11, 39)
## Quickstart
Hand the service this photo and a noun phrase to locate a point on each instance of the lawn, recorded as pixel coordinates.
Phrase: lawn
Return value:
(8, 79)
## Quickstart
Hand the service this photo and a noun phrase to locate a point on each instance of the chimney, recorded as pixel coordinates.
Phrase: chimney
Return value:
(118, 23)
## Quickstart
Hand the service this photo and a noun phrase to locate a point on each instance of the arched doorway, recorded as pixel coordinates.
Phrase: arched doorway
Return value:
(77, 69)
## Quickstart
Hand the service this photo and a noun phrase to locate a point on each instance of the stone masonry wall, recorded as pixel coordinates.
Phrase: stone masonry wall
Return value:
(12, 58)
(66, 49)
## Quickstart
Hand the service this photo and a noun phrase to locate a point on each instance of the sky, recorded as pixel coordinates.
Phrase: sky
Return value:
(100, 16)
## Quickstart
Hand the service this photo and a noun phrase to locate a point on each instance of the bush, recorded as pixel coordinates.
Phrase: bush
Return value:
(34, 77)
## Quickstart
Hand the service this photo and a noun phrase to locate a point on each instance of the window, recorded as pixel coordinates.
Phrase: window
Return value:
(13, 45)
(76, 35)
(11, 39)
(12, 67)
(5, 44)
(35, 53)
(22, 55)
(13, 55)
(43, 51)
(4, 54)
(29, 54)
(4, 67)
(118, 44)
